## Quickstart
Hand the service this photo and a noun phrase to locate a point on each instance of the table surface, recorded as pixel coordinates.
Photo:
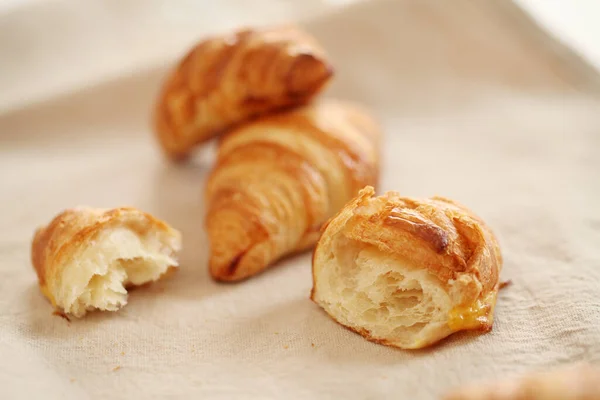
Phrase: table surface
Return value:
(517, 145)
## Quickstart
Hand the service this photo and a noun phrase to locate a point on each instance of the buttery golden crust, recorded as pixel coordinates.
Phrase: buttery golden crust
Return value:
(278, 179)
(573, 382)
(437, 235)
(228, 79)
(71, 231)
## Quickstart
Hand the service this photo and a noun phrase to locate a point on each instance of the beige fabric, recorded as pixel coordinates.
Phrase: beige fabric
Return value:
(477, 104)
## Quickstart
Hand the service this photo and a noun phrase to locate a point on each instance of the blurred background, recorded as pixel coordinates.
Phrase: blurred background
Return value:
(48, 47)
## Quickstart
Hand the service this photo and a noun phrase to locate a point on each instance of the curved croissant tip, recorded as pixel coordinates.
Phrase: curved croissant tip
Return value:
(233, 240)
(308, 74)
(225, 269)
(226, 254)
(165, 134)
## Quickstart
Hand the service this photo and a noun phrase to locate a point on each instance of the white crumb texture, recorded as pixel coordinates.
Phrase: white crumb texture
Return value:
(366, 290)
(97, 275)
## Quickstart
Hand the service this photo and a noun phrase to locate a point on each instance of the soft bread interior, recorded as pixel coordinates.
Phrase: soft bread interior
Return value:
(382, 297)
(99, 273)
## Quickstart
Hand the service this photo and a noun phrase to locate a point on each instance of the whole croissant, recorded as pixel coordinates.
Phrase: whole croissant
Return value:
(228, 79)
(279, 178)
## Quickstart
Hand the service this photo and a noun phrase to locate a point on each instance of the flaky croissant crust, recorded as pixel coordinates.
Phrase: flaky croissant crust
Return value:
(436, 234)
(280, 177)
(227, 79)
(446, 237)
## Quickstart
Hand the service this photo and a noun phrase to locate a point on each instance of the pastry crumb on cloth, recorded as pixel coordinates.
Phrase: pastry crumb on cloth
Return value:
(86, 258)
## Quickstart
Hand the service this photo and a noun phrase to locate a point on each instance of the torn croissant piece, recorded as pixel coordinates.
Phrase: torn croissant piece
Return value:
(405, 272)
(279, 178)
(86, 258)
(226, 80)
(579, 381)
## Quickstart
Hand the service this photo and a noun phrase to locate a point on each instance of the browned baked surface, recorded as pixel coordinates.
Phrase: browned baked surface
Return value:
(75, 227)
(572, 382)
(278, 179)
(454, 246)
(438, 233)
(227, 79)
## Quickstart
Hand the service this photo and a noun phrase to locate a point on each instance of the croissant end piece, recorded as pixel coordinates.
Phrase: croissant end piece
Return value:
(279, 178)
(87, 257)
(572, 382)
(406, 272)
(226, 80)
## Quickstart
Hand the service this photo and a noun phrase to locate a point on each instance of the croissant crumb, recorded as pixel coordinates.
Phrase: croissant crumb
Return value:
(87, 258)
(406, 272)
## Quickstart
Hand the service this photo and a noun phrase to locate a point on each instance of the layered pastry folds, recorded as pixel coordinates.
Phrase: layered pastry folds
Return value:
(86, 258)
(225, 80)
(280, 177)
(407, 272)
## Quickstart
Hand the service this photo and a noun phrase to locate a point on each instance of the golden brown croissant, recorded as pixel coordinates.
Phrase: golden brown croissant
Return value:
(406, 272)
(86, 257)
(279, 178)
(573, 382)
(226, 80)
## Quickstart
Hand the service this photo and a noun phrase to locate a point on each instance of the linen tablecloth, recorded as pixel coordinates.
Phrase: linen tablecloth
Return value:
(477, 104)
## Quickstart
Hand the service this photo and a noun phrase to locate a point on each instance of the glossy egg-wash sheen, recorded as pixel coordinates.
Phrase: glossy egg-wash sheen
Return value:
(280, 177)
(224, 80)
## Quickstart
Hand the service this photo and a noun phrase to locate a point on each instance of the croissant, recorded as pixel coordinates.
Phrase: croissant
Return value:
(572, 382)
(279, 178)
(87, 257)
(405, 272)
(227, 79)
